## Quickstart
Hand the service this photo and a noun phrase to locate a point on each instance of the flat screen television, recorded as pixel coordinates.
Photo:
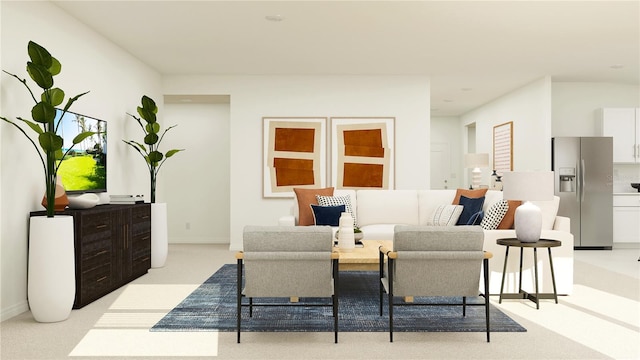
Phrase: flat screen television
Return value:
(84, 168)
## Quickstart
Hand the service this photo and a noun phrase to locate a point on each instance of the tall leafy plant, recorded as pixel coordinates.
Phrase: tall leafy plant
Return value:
(152, 138)
(41, 68)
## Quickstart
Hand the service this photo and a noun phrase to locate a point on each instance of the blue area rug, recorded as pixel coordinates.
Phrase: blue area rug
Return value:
(212, 306)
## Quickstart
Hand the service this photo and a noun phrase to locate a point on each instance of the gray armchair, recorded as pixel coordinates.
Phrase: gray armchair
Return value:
(287, 262)
(434, 261)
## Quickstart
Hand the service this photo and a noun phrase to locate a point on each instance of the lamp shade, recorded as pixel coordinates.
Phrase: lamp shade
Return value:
(528, 185)
(476, 160)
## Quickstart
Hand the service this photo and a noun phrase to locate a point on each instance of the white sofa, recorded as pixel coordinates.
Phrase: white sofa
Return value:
(378, 211)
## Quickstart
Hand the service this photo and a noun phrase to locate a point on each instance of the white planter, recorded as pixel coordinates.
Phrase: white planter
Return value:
(52, 282)
(159, 235)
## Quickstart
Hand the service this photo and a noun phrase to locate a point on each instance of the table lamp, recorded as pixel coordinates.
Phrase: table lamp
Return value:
(475, 162)
(528, 186)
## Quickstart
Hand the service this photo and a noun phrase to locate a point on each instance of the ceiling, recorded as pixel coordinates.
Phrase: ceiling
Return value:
(473, 51)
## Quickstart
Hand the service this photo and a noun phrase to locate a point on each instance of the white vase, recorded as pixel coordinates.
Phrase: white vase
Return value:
(346, 238)
(52, 282)
(528, 222)
(159, 235)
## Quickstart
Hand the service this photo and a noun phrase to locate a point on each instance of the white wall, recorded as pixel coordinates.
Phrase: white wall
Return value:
(529, 107)
(116, 82)
(446, 130)
(253, 97)
(195, 183)
(574, 105)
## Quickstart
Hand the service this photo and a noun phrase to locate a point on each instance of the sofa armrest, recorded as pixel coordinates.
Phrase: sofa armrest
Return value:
(562, 223)
(287, 220)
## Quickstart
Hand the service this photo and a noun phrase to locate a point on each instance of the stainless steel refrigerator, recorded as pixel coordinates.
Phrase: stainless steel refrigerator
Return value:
(583, 171)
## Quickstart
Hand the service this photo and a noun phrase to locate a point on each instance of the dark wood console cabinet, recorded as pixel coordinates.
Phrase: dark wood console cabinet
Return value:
(112, 248)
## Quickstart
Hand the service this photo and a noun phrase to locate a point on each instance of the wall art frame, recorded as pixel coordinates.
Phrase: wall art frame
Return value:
(362, 152)
(294, 154)
(503, 147)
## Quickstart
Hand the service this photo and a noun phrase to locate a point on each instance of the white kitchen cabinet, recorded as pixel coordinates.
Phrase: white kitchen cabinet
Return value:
(626, 218)
(623, 124)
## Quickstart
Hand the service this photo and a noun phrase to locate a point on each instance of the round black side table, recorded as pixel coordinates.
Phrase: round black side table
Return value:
(521, 294)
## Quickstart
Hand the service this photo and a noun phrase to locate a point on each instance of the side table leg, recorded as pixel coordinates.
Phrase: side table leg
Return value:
(520, 273)
(504, 273)
(553, 277)
(535, 269)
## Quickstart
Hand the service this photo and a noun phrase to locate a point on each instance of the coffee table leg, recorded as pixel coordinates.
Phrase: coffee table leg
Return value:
(504, 273)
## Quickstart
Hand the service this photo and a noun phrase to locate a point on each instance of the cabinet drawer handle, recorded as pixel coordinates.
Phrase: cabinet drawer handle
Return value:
(101, 252)
(102, 226)
(144, 216)
(102, 279)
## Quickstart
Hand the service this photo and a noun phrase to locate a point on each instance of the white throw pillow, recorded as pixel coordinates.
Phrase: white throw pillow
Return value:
(494, 215)
(445, 215)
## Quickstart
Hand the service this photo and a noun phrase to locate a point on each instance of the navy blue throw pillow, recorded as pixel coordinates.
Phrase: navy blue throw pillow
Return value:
(470, 207)
(327, 215)
(476, 218)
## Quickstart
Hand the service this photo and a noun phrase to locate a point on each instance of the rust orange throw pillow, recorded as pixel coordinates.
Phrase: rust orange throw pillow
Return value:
(507, 220)
(471, 194)
(306, 197)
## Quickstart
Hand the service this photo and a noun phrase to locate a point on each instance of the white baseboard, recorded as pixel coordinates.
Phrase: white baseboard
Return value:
(199, 240)
(15, 310)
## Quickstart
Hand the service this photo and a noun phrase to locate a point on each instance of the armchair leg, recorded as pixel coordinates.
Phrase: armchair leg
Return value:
(486, 295)
(381, 276)
(464, 306)
(239, 298)
(336, 296)
(381, 297)
(390, 278)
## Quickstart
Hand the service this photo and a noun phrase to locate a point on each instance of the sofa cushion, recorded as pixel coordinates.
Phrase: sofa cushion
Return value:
(471, 206)
(327, 215)
(490, 198)
(549, 211)
(471, 194)
(338, 200)
(387, 207)
(378, 232)
(445, 215)
(430, 200)
(508, 219)
(494, 215)
(306, 197)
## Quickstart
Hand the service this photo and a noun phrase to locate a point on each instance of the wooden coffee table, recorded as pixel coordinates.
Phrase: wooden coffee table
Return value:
(366, 258)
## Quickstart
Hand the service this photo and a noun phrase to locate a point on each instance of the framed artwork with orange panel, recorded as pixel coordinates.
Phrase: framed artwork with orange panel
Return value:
(295, 153)
(363, 152)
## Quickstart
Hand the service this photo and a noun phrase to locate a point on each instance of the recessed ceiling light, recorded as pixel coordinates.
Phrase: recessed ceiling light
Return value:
(466, 89)
(616, 66)
(274, 18)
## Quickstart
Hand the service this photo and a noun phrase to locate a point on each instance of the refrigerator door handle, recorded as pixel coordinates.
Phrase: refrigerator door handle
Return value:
(583, 171)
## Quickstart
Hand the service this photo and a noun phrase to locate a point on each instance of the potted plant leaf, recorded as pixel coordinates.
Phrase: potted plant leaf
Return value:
(154, 158)
(51, 284)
